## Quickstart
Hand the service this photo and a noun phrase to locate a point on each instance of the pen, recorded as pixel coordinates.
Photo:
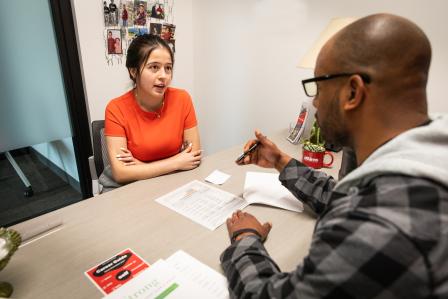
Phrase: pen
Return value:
(250, 150)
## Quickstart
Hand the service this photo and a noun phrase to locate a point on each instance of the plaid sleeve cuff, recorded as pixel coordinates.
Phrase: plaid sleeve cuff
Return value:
(313, 187)
(231, 258)
(248, 268)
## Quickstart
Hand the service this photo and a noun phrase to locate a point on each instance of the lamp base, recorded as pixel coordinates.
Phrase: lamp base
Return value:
(5, 289)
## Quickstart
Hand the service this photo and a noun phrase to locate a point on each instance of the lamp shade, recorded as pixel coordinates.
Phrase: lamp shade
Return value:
(336, 24)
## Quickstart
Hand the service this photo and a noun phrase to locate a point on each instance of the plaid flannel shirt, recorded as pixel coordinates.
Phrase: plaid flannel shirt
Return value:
(384, 239)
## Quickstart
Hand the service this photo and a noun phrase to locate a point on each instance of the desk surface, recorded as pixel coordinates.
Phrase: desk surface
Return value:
(97, 228)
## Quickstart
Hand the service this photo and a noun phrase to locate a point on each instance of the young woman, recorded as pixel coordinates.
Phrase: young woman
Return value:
(152, 129)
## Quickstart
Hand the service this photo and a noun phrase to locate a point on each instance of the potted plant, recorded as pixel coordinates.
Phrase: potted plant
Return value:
(315, 143)
(314, 149)
(9, 243)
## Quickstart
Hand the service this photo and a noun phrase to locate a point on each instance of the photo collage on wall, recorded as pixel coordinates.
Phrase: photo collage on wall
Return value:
(126, 19)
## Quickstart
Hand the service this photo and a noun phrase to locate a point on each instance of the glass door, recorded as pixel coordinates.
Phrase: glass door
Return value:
(43, 146)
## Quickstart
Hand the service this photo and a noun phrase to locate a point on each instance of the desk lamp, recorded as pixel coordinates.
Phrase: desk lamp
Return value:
(309, 60)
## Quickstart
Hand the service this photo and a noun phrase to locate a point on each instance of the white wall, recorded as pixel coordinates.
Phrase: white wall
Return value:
(246, 53)
(238, 58)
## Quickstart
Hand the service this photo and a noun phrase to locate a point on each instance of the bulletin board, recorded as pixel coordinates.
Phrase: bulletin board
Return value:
(126, 19)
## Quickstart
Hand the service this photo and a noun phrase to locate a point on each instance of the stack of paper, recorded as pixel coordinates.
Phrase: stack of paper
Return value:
(180, 276)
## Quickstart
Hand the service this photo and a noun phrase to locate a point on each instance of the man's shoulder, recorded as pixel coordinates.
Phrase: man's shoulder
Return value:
(400, 191)
(409, 205)
(393, 215)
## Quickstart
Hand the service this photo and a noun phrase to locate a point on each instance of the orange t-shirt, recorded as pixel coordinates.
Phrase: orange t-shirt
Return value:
(151, 136)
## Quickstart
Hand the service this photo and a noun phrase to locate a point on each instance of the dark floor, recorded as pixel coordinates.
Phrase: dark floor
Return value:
(50, 191)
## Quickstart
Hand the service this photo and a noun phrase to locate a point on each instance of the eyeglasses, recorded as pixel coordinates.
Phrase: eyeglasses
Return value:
(310, 85)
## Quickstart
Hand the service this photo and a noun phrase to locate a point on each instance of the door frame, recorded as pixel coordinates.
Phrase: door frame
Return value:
(65, 33)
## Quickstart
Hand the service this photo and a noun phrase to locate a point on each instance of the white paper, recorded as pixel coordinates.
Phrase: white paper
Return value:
(217, 177)
(162, 280)
(215, 283)
(202, 203)
(265, 188)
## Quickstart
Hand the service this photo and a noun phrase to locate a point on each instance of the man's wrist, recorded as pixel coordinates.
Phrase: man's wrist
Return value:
(238, 234)
(243, 235)
(282, 161)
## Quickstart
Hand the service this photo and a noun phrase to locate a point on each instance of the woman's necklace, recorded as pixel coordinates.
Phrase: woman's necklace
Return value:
(157, 112)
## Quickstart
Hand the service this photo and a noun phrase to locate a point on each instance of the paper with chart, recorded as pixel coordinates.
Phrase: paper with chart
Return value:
(202, 203)
(207, 278)
(265, 188)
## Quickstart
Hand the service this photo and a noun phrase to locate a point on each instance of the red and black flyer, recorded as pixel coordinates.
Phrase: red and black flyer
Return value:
(116, 271)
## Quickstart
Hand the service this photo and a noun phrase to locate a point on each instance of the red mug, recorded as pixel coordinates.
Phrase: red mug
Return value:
(316, 159)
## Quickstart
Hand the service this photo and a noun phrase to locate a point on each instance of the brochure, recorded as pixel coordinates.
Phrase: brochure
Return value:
(297, 131)
(116, 271)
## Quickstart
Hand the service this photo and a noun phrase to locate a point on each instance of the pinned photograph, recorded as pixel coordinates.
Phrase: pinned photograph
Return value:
(140, 13)
(114, 41)
(126, 15)
(158, 11)
(168, 32)
(155, 28)
(106, 13)
(110, 11)
(118, 48)
(133, 32)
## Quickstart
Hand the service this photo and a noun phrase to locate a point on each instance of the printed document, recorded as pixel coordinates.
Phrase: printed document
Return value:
(215, 283)
(204, 204)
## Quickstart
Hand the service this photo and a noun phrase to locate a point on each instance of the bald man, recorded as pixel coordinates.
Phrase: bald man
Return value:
(382, 231)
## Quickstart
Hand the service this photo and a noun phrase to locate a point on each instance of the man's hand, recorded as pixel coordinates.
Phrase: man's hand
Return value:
(267, 154)
(242, 220)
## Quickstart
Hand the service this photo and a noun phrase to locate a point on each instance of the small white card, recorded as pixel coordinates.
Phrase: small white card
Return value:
(217, 177)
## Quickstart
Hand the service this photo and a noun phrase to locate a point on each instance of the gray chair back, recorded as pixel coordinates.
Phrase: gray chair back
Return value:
(100, 156)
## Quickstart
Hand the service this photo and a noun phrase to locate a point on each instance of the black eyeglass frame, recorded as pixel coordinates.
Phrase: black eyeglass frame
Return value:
(364, 77)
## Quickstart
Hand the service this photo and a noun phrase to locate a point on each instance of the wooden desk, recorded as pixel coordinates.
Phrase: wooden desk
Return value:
(97, 228)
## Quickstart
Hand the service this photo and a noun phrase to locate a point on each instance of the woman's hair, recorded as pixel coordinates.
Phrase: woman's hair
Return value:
(139, 51)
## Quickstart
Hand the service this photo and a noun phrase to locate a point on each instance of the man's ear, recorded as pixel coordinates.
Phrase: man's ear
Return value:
(355, 93)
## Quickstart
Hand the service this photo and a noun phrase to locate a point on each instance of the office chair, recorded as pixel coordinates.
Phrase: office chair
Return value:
(100, 158)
